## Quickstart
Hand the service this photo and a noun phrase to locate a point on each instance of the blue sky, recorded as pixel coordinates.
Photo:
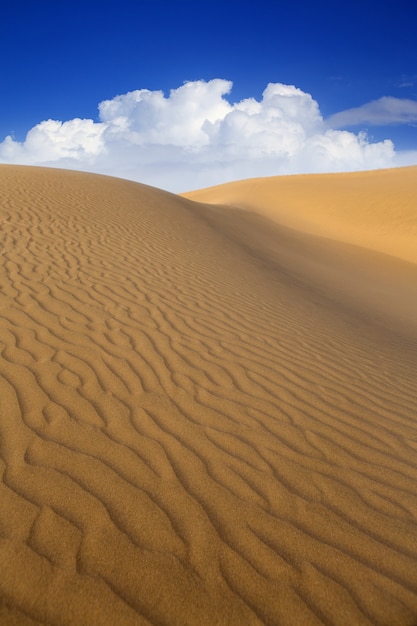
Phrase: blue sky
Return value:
(357, 62)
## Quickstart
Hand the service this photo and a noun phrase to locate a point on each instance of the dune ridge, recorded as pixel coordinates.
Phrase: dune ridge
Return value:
(372, 209)
(198, 423)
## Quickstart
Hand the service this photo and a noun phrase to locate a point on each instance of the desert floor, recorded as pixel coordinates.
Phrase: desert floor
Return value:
(208, 404)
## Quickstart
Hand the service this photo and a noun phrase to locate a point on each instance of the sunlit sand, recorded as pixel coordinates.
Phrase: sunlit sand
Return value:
(208, 404)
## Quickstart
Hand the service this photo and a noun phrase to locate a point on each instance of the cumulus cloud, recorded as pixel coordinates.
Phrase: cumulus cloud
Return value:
(382, 112)
(194, 137)
(52, 140)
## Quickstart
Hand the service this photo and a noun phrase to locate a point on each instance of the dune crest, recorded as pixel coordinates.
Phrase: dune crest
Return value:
(375, 209)
(198, 425)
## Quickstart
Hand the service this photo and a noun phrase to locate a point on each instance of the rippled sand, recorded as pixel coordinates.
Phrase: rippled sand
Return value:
(208, 415)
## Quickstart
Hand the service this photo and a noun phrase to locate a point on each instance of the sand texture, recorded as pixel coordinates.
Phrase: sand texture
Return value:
(208, 415)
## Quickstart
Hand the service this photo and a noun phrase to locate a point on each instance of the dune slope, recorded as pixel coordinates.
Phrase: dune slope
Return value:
(375, 209)
(205, 418)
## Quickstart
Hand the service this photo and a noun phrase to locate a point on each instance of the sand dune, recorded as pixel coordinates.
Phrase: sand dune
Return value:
(375, 210)
(208, 416)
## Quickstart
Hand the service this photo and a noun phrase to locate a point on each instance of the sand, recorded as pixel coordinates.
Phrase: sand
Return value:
(375, 209)
(208, 413)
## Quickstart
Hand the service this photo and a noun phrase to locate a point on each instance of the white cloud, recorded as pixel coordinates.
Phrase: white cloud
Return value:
(194, 137)
(148, 117)
(382, 112)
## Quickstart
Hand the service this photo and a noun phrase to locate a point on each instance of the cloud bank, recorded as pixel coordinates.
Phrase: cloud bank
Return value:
(194, 137)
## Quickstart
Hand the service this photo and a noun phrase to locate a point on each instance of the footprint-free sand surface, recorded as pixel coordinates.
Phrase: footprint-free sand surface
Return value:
(208, 413)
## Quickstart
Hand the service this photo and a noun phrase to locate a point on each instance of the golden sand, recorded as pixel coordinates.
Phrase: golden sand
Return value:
(208, 415)
(375, 210)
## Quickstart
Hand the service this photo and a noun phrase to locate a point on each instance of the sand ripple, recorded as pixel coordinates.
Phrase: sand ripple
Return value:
(197, 424)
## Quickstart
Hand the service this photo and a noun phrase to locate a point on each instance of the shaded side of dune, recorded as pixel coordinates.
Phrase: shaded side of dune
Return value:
(375, 210)
(194, 430)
